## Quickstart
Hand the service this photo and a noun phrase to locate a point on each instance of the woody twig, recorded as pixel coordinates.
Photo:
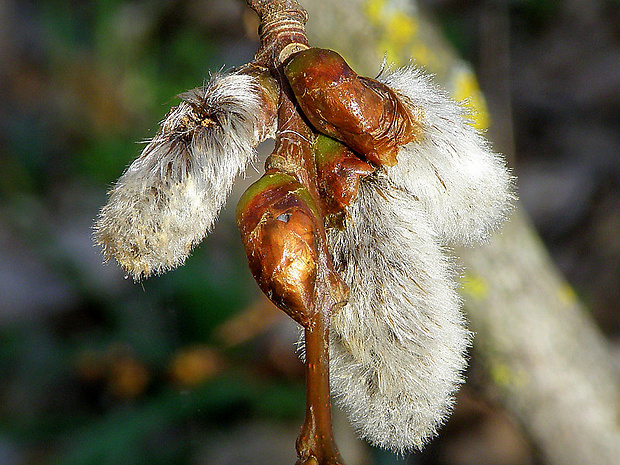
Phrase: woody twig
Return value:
(281, 221)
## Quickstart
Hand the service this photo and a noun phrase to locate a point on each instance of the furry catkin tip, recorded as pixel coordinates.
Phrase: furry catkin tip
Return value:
(169, 197)
(463, 185)
(398, 346)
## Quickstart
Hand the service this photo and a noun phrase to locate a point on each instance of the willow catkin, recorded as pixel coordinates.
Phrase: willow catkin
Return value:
(170, 196)
(463, 185)
(398, 346)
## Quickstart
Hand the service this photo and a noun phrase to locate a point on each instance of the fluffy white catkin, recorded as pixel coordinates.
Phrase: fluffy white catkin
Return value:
(170, 196)
(464, 186)
(398, 346)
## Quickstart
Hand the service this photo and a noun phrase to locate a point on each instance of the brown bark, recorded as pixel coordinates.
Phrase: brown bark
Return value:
(282, 225)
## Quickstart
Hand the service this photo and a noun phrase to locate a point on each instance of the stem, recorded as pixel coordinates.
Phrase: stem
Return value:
(316, 441)
(293, 155)
(282, 24)
(282, 32)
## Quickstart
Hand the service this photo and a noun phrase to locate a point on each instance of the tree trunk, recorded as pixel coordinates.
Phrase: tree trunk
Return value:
(541, 351)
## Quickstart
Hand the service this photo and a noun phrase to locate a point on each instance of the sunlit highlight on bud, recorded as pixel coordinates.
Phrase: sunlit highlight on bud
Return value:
(279, 226)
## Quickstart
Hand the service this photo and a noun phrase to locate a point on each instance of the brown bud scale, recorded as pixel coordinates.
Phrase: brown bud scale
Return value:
(363, 113)
(339, 172)
(269, 97)
(279, 227)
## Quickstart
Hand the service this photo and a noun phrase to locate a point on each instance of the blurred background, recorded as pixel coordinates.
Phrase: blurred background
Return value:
(195, 367)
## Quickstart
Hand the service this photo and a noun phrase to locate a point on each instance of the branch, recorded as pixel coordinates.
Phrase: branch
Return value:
(287, 244)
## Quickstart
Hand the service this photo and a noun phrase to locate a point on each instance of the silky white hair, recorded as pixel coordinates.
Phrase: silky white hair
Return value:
(170, 196)
(463, 185)
(398, 346)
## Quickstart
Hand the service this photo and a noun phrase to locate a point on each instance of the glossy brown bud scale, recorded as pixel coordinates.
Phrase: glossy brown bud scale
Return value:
(339, 172)
(279, 227)
(363, 113)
